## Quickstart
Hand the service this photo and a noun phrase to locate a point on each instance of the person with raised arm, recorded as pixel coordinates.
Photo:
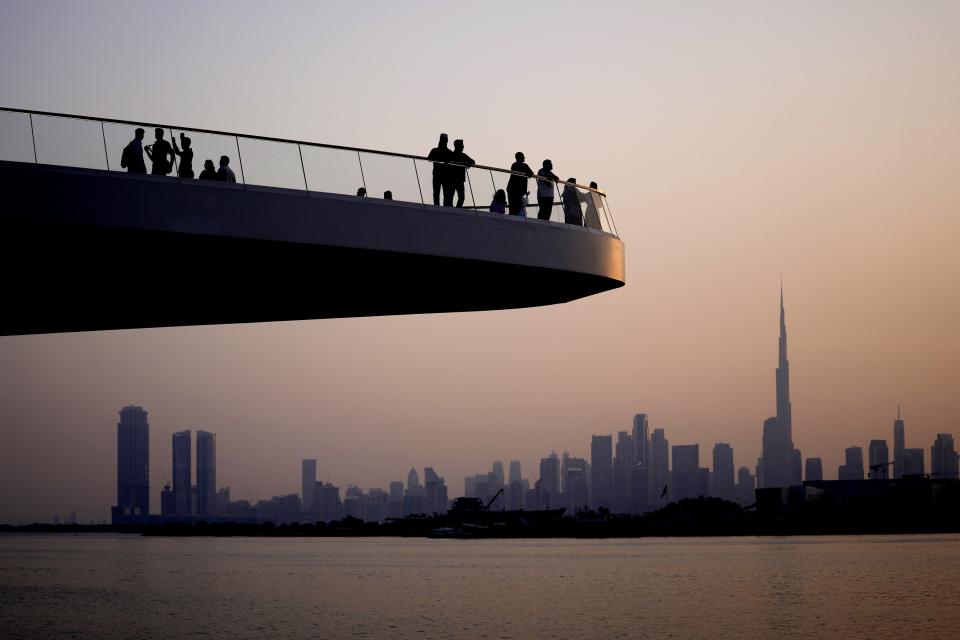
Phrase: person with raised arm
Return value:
(517, 184)
(185, 170)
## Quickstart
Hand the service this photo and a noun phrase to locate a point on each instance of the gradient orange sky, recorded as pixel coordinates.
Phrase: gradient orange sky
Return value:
(736, 140)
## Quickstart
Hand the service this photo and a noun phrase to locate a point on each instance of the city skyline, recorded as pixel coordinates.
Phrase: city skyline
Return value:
(736, 151)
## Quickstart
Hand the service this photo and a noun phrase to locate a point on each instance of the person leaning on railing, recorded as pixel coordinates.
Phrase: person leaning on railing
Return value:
(457, 173)
(517, 185)
(572, 213)
(545, 181)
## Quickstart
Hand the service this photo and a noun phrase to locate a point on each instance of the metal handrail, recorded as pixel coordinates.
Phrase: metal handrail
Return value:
(394, 154)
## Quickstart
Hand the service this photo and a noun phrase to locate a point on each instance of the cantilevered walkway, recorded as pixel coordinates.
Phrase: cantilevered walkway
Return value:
(86, 246)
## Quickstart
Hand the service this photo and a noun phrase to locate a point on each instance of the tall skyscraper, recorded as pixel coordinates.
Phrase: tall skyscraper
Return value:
(515, 474)
(913, 462)
(746, 484)
(550, 479)
(498, 477)
(723, 471)
(623, 471)
(814, 470)
(852, 469)
(601, 470)
(435, 492)
(413, 480)
(641, 475)
(659, 469)
(943, 458)
(778, 458)
(879, 458)
(689, 480)
(206, 473)
(308, 483)
(182, 483)
(133, 461)
(899, 445)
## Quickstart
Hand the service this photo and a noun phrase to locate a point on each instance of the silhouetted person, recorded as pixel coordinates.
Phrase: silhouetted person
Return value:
(499, 204)
(572, 213)
(209, 171)
(132, 158)
(592, 214)
(361, 193)
(161, 154)
(440, 155)
(517, 184)
(458, 172)
(185, 170)
(225, 173)
(545, 192)
(388, 195)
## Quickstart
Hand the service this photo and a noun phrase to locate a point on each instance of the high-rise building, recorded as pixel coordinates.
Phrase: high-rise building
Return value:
(943, 457)
(498, 477)
(913, 462)
(308, 482)
(778, 458)
(601, 478)
(327, 505)
(413, 480)
(133, 461)
(435, 492)
(746, 484)
(515, 474)
(689, 479)
(623, 471)
(206, 473)
(722, 471)
(182, 483)
(814, 470)
(899, 446)
(641, 473)
(550, 481)
(852, 469)
(659, 469)
(577, 493)
(879, 459)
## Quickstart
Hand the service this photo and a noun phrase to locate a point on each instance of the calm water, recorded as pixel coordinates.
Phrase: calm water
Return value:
(130, 587)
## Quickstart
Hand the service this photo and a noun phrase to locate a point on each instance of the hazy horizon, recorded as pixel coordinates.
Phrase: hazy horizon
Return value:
(737, 142)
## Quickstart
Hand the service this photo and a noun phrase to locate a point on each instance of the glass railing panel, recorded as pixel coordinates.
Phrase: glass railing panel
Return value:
(332, 170)
(16, 143)
(482, 187)
(384, 173)
(611, 223)
(270, 164)
(425, 173)
(206, 146)
(69, 142)
(593, 213)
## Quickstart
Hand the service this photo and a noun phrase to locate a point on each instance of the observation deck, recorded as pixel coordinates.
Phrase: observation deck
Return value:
(85, 245)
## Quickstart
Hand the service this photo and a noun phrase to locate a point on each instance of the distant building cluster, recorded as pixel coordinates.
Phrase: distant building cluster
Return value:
(636, 474)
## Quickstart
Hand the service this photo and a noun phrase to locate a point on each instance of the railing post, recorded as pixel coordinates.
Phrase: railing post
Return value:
(105, 154)
(419, 188)
(175, 168)
(34, 138)
(470, 184)
(306, 187)
(362, 178)
(240, 158)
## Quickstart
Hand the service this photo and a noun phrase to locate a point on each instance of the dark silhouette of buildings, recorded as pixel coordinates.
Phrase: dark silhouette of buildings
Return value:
(133, 463)
(182, 483)
(722, 476)
(779, 460)
(601, 464)
(308, 481)
(899, 446)
(659, 469)
(943, 458)
(623, 472)
(550, 479)
(689, 479)
(913, 462)
(814, 470)
(206, 473)
(746, 485)
(852, 469)
(879, 459)
(640, 473)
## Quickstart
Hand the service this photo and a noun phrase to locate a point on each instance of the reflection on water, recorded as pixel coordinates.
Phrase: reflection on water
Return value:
(131, 587)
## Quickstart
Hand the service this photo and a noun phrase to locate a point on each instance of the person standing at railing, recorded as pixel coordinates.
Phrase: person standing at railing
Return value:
(161, 153)
(545, 192)
(225, 174)
(132, 157)
(458, 171)
(185, 170)
(517, 184)
(572, 213)
(440, 156)
(592, 214)
(209, 171)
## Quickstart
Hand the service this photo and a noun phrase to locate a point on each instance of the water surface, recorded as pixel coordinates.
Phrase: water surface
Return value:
(103, 586)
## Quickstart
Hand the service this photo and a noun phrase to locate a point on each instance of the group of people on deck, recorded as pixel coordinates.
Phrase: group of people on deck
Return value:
(163, 157)
(450, 171)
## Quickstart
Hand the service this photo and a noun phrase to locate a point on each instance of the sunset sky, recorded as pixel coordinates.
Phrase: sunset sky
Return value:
(737, 141)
